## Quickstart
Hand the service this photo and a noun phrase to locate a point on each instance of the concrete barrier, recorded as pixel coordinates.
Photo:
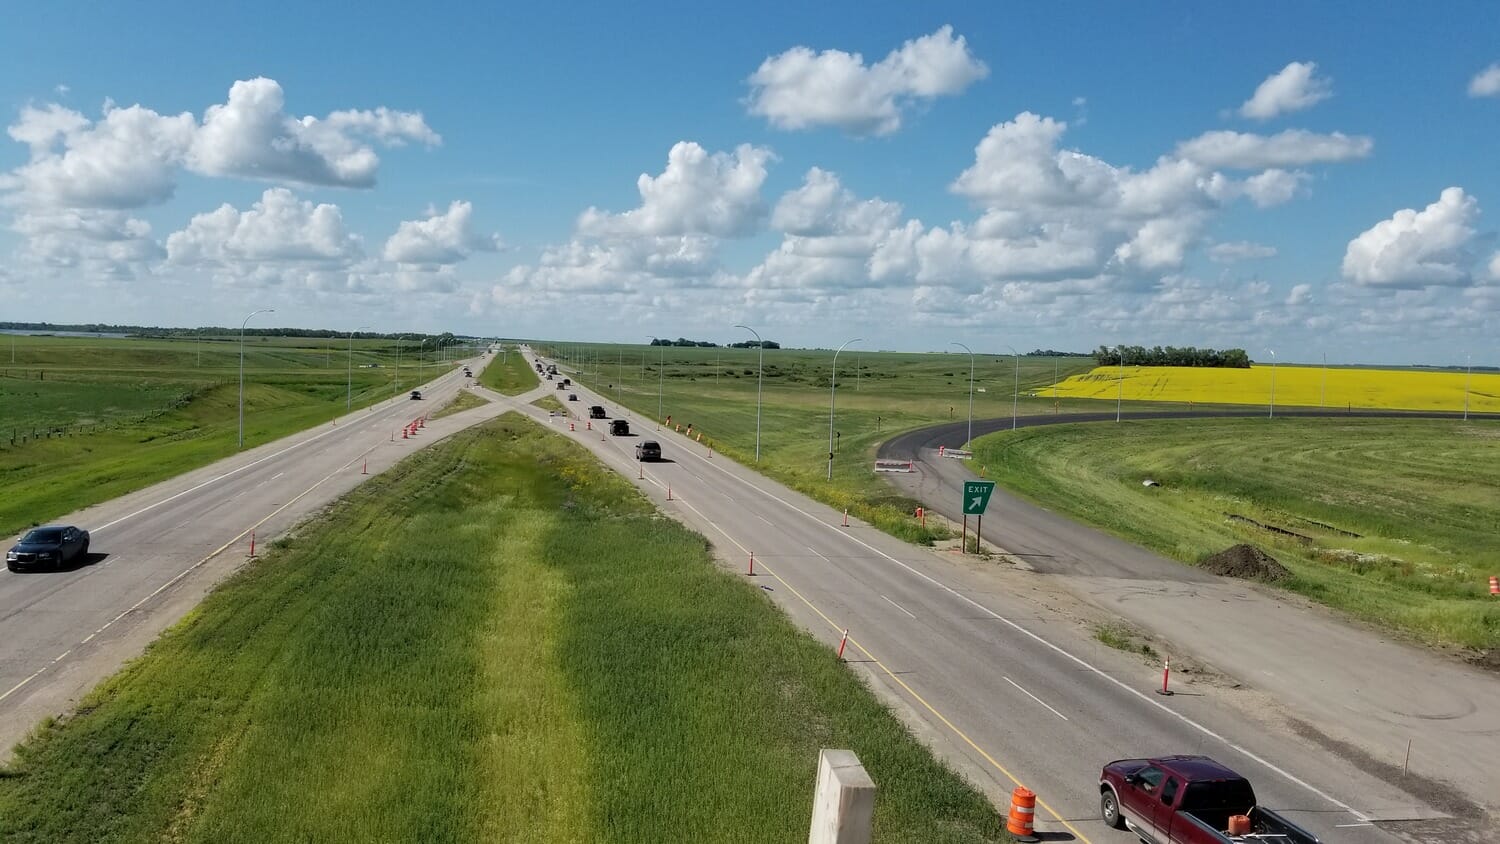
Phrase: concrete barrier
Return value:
(843, 802)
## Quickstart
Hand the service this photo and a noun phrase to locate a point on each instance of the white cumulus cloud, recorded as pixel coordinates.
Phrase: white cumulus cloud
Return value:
(699, 193)
(1295, 87)
(1273, 187)
(279, 227)
(252, 137)
(1300, 294)
(1292, 148)
(1486, 83)
(1417, 248)
(445, 238)
(126, 159)
(801, 88)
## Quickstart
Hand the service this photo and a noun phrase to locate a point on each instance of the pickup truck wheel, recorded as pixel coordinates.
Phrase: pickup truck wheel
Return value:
(1109, 809)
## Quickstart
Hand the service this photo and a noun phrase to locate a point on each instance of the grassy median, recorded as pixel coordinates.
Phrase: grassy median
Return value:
(496, 640)
(510, 375)
(1390, 520)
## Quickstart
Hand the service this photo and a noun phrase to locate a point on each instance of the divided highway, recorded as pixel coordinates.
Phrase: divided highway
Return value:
(993, 667)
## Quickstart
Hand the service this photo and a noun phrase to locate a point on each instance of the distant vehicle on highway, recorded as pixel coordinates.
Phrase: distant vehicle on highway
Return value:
(467, 373)
(416, 395)
(1188, 800)
(567, 382)
(54, 545)
(648, 451)
(619, 428)
(561, 386)
(572, 397)
(596, 412)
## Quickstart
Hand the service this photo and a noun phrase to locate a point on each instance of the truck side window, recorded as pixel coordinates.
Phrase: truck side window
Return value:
(1149, 778)
(1169, 791)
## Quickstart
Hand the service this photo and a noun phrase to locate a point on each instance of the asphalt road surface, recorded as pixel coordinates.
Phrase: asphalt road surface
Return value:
(155, 553)
(996, 667)
(1344, 687)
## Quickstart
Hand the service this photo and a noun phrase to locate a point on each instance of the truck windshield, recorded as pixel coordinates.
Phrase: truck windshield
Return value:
(1229, 797)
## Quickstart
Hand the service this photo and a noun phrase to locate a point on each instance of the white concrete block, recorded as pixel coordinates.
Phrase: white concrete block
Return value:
(843, 802)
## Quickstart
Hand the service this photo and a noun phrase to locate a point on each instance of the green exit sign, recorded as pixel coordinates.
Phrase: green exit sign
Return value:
(977, 496)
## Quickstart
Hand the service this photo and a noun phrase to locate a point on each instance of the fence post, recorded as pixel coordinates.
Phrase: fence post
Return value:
(843, 802)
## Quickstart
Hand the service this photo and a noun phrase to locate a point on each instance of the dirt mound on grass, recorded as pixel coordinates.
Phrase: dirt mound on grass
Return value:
(1247, 563)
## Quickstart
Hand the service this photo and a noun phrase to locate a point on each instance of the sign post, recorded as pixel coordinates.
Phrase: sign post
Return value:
(976, 499)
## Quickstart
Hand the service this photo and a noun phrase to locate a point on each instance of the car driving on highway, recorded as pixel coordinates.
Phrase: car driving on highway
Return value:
(54, 546)
(648, 451)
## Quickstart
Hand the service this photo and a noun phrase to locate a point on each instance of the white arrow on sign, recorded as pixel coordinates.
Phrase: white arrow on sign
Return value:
(974, 505)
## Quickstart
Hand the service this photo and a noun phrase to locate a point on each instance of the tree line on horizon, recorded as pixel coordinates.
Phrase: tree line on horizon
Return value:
(1172, 356)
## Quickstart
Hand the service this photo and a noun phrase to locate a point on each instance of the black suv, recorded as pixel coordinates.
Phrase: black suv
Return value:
(597, 412)
(619, 428)
(650, 450)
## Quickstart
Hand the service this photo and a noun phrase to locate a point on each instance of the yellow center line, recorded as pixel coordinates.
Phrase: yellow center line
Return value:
(893, 676)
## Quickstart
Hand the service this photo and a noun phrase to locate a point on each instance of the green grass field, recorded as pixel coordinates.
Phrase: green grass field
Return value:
(465, 400)
(83, 420)
(510, 375)
(1424, 497)
(524, 650)
(715, 389)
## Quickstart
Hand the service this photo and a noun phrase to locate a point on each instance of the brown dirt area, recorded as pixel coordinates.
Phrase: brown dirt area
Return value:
(1246, 562)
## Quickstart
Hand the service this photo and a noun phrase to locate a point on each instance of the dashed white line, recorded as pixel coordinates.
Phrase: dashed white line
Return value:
(815, 551)
(1035, 698)
(897, 606)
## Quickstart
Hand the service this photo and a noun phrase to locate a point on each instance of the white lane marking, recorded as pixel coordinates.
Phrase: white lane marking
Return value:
(1035, 698)
(766, 520)
(820, 556)
(894, 604)
(214, 480)
(277, 475)
(1079, 661)
(185, 572)
(1350, 825)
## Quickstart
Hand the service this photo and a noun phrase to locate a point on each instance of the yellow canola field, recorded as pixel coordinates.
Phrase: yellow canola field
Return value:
(1307, 386)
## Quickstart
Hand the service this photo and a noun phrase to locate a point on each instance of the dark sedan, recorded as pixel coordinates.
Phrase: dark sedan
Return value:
(54, 546)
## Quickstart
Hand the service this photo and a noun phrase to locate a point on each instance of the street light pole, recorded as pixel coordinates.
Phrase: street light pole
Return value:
(660, 365)
(396, 387)
(759, 375)
(833, 386)
(971, 388)
(1120, 382)
(1468, 378)
(349, 401)
(1273, 384)
(242, 370)
(1015, 391)
(421, 361)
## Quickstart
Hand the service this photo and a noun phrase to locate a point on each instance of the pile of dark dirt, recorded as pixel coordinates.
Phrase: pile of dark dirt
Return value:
(1489, 659)
(1247, 563)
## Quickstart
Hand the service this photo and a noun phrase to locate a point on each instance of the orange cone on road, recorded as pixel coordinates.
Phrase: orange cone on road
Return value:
(1020, 823)
(1494, 585)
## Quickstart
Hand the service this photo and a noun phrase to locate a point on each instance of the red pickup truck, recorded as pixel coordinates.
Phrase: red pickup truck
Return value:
(1188, 800)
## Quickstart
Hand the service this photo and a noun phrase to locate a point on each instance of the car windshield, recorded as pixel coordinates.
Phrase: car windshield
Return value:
(44, 535)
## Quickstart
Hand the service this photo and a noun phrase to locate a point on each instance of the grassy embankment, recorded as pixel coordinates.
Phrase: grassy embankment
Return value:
(522, 651)
(465, 400)
(550, 403)
(1336, 387)
(714, 389)
(126, 413)
(510, 375)
(1424, 497)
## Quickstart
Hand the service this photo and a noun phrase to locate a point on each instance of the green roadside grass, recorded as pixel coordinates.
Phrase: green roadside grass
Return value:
(84, 420)
(523, 651)
(880, 394)
(549, 403)
(511, 375)
(1423, 497)
(465, 400)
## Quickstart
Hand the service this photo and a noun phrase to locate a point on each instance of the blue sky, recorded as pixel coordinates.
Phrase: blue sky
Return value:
(1276, 177)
